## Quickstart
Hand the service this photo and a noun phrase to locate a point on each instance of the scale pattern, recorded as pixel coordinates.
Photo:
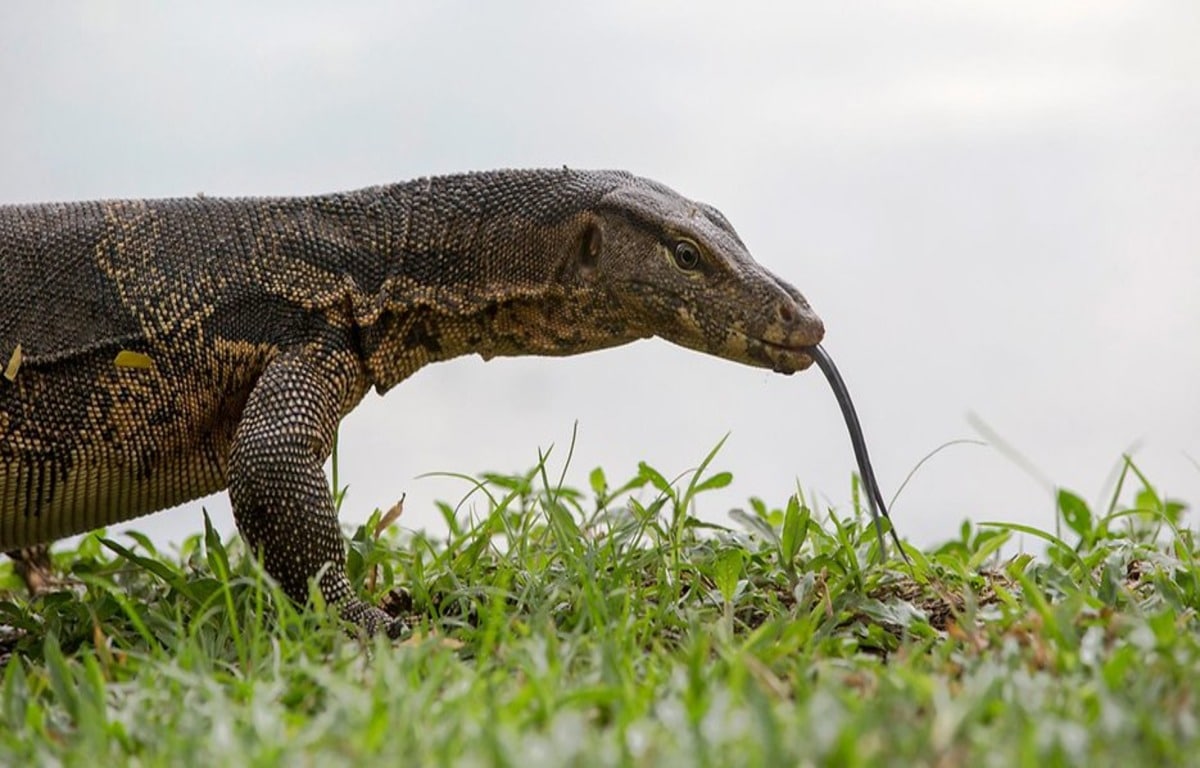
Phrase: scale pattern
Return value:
(153, 352)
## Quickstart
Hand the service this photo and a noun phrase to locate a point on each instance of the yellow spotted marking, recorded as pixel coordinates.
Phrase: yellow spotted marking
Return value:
(128, 359)
(14, 364)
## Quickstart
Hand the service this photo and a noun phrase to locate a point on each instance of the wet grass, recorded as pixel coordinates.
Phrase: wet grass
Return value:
(605, 626)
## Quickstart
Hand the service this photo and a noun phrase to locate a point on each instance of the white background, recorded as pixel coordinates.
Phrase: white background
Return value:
(994, 207)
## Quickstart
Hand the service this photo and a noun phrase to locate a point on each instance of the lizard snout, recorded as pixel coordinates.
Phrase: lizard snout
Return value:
(788, 328)
(799, 324)
(791, 323)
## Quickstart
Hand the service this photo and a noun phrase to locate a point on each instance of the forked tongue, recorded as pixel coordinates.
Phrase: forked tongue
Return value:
(874, 497)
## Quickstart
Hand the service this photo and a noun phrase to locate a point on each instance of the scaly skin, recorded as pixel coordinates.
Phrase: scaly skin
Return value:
(260, 323)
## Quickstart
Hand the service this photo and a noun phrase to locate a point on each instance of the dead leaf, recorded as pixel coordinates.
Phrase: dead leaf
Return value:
(14, 364)
(130, 359)
(439, 640)
(390, 517)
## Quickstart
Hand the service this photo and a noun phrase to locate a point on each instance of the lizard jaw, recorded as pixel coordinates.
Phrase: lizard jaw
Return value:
(781, 358)
(787, 359)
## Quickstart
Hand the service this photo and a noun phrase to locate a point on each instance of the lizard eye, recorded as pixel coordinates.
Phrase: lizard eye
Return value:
(687, 255)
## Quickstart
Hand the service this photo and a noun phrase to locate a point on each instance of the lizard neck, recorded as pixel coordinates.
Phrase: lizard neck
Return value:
(486, 263)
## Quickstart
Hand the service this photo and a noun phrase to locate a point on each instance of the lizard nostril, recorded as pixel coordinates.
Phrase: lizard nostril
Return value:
(786, 314)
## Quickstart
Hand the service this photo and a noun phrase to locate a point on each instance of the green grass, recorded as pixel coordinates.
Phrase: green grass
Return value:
(605, 626)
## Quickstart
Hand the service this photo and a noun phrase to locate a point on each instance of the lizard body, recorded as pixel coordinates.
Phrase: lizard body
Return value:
(159, 351)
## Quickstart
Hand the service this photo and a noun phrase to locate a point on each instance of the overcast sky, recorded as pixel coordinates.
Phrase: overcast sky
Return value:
(995, 211)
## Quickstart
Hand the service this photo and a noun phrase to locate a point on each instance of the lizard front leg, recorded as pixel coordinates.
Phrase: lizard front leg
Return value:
(281, 498)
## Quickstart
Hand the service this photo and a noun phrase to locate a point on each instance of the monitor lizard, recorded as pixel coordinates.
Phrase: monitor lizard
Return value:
(156, 351)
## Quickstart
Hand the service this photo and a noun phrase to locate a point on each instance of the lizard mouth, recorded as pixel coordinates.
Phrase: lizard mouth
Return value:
(783, 358)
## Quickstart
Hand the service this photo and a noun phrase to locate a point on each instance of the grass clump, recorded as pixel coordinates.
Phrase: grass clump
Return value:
(606, 626)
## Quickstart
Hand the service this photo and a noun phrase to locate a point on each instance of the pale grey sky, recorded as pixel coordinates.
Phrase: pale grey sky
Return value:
(995, 208)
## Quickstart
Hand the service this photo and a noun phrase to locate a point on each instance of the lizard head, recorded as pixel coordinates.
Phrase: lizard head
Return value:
(681, 271)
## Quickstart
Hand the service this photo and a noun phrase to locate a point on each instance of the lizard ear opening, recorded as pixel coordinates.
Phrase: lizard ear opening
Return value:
(590, 244)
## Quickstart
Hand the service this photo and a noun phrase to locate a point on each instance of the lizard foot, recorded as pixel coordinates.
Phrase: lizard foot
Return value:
(372, 620)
